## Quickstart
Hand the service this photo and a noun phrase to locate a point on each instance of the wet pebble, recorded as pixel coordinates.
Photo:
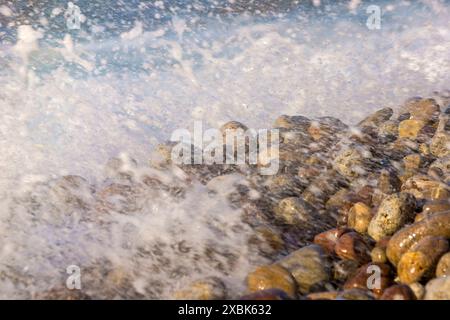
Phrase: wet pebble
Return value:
(309, 266)
(394, 212)
(272, 277)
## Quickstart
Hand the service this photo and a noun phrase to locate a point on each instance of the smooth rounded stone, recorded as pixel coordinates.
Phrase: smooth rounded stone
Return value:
(388, 131)
(351, 246)
(365, 194)
(398, 292)
(394, 212)
(272, 277)
(350, 163)
(443, 266)
(420, 260)
(438, 289)
(294, 210)
(267, 240)
(328, 239)
(439, 145)
(378, 255)
(426, 109)
(424, 187)
(362, 279)
(435, 225)
(418, 289)
(210, 288)
(355, 294)
(343, 269)
(292, 122)
(359, 217)
(268, 294)
(388, 182)
(117, 197)
(378, 118)
(327, 295)
(413, 162)
(433, 207)
(410, 128)
(284, 185)
(309, 266)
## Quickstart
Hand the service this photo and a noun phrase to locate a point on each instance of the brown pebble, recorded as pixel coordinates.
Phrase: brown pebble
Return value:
(432, 207)
(329, 238)
(359, 217)
(378, 255)
(398, 292)
(434, 225)
(271, 277)
(268, 294)
(351, 246)
(365, 277)
(327, 295)
(420, 261)
(443, 266)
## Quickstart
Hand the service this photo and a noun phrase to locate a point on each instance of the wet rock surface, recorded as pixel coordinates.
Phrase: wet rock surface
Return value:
(345, 203)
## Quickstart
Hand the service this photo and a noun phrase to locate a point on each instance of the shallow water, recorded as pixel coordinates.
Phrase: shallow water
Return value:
(72, 99)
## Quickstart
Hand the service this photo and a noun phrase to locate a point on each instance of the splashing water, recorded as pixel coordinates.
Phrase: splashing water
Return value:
(72, 99)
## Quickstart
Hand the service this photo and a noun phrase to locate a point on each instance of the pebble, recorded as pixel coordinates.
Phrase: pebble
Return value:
(309, 266)
(294, 210)
(359, 217)
(439, 145)
(426, 109)
(418, 289)
(438, 289)
(343, 269)
(328, 239)
(350, 163)
(425, 187)
(394, 212)
(355, 294)
(361, 279)
(327, 295)
(435, 225)
(351, 246)
(378, 255)
(421, 259)
(210, 288)
(433, 207)
(268, 294)
(378, 118)
(410, 128)
(272, 277)
(443, 266)
(398, 292)
(292, 122)
(388, 182)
